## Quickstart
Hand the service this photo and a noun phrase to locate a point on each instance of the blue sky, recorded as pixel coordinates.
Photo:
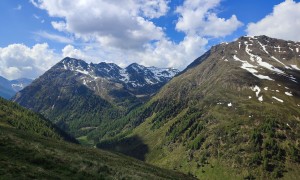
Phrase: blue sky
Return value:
(36, 34)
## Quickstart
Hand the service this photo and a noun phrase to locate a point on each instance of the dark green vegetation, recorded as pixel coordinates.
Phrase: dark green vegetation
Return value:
(31, 148)
(14, 116)
(27, 156)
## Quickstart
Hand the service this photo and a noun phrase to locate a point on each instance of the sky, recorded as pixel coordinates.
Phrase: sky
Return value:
(36, 34)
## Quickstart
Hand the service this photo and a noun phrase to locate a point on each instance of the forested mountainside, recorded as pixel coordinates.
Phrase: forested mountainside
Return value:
(32, 148)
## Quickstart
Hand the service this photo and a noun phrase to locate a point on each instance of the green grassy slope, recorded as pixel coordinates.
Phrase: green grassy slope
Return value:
(209, 122)
(27, 156)
(13, 115)
(32, 148)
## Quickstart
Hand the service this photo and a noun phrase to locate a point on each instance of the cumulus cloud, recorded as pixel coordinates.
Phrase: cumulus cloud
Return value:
(283, 22)
(117, 31)
(18, 60)
(122, 32)
(198, 17)
(166, 53)
(121, 24)
(71, 51)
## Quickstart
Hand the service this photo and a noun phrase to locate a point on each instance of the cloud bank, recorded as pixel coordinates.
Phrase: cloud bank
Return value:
(283, 22)
(122, 32)
(18, 60)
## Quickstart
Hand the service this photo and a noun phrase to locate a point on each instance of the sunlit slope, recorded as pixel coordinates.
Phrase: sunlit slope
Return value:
(234, 112)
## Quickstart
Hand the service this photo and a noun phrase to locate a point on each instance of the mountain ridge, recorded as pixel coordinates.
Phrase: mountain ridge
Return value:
(236, 107)
(79, 96)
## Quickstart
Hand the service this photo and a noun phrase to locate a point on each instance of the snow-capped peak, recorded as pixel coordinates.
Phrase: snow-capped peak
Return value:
(134, 75)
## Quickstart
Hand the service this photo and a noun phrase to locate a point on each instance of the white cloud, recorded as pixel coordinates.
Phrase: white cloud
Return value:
(283, 22)
(54, 37)
(168, 54)
(117, 31)
(121, 24)
(18, 60)
(121, 32)
(198, 17)
(71, 51)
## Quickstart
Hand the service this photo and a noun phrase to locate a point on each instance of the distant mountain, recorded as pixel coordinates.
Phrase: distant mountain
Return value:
(134, 79)
(19, 84)
(9, 88)
(82, 98)
(234, 113)
(32, 148)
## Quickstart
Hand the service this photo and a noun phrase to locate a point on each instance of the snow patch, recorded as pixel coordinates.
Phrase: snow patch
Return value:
(260, 98)
(250, 68)
(82, 71)
(288, 93)
(277, 99)
(263, 77)
(280, 63)
(295, 67)
(265, 88)
(258, 60)
(256, 89)
(229, 104)
(264, 47)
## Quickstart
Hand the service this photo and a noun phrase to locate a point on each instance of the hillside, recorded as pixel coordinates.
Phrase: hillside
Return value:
(81, 98)
(31, 148)
(14, 116)
(233, 113)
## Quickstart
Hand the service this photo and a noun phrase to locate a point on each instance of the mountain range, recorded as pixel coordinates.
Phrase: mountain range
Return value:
(8, 88)
(81, 98)
(232, 113)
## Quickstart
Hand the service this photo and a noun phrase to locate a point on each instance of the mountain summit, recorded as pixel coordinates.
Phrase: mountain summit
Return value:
(80, 97)
(233, 113)
(135, 77)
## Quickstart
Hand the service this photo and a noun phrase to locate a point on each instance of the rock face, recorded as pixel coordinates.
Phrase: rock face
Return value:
(80, 97)
(236, 108)
(135, 79)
